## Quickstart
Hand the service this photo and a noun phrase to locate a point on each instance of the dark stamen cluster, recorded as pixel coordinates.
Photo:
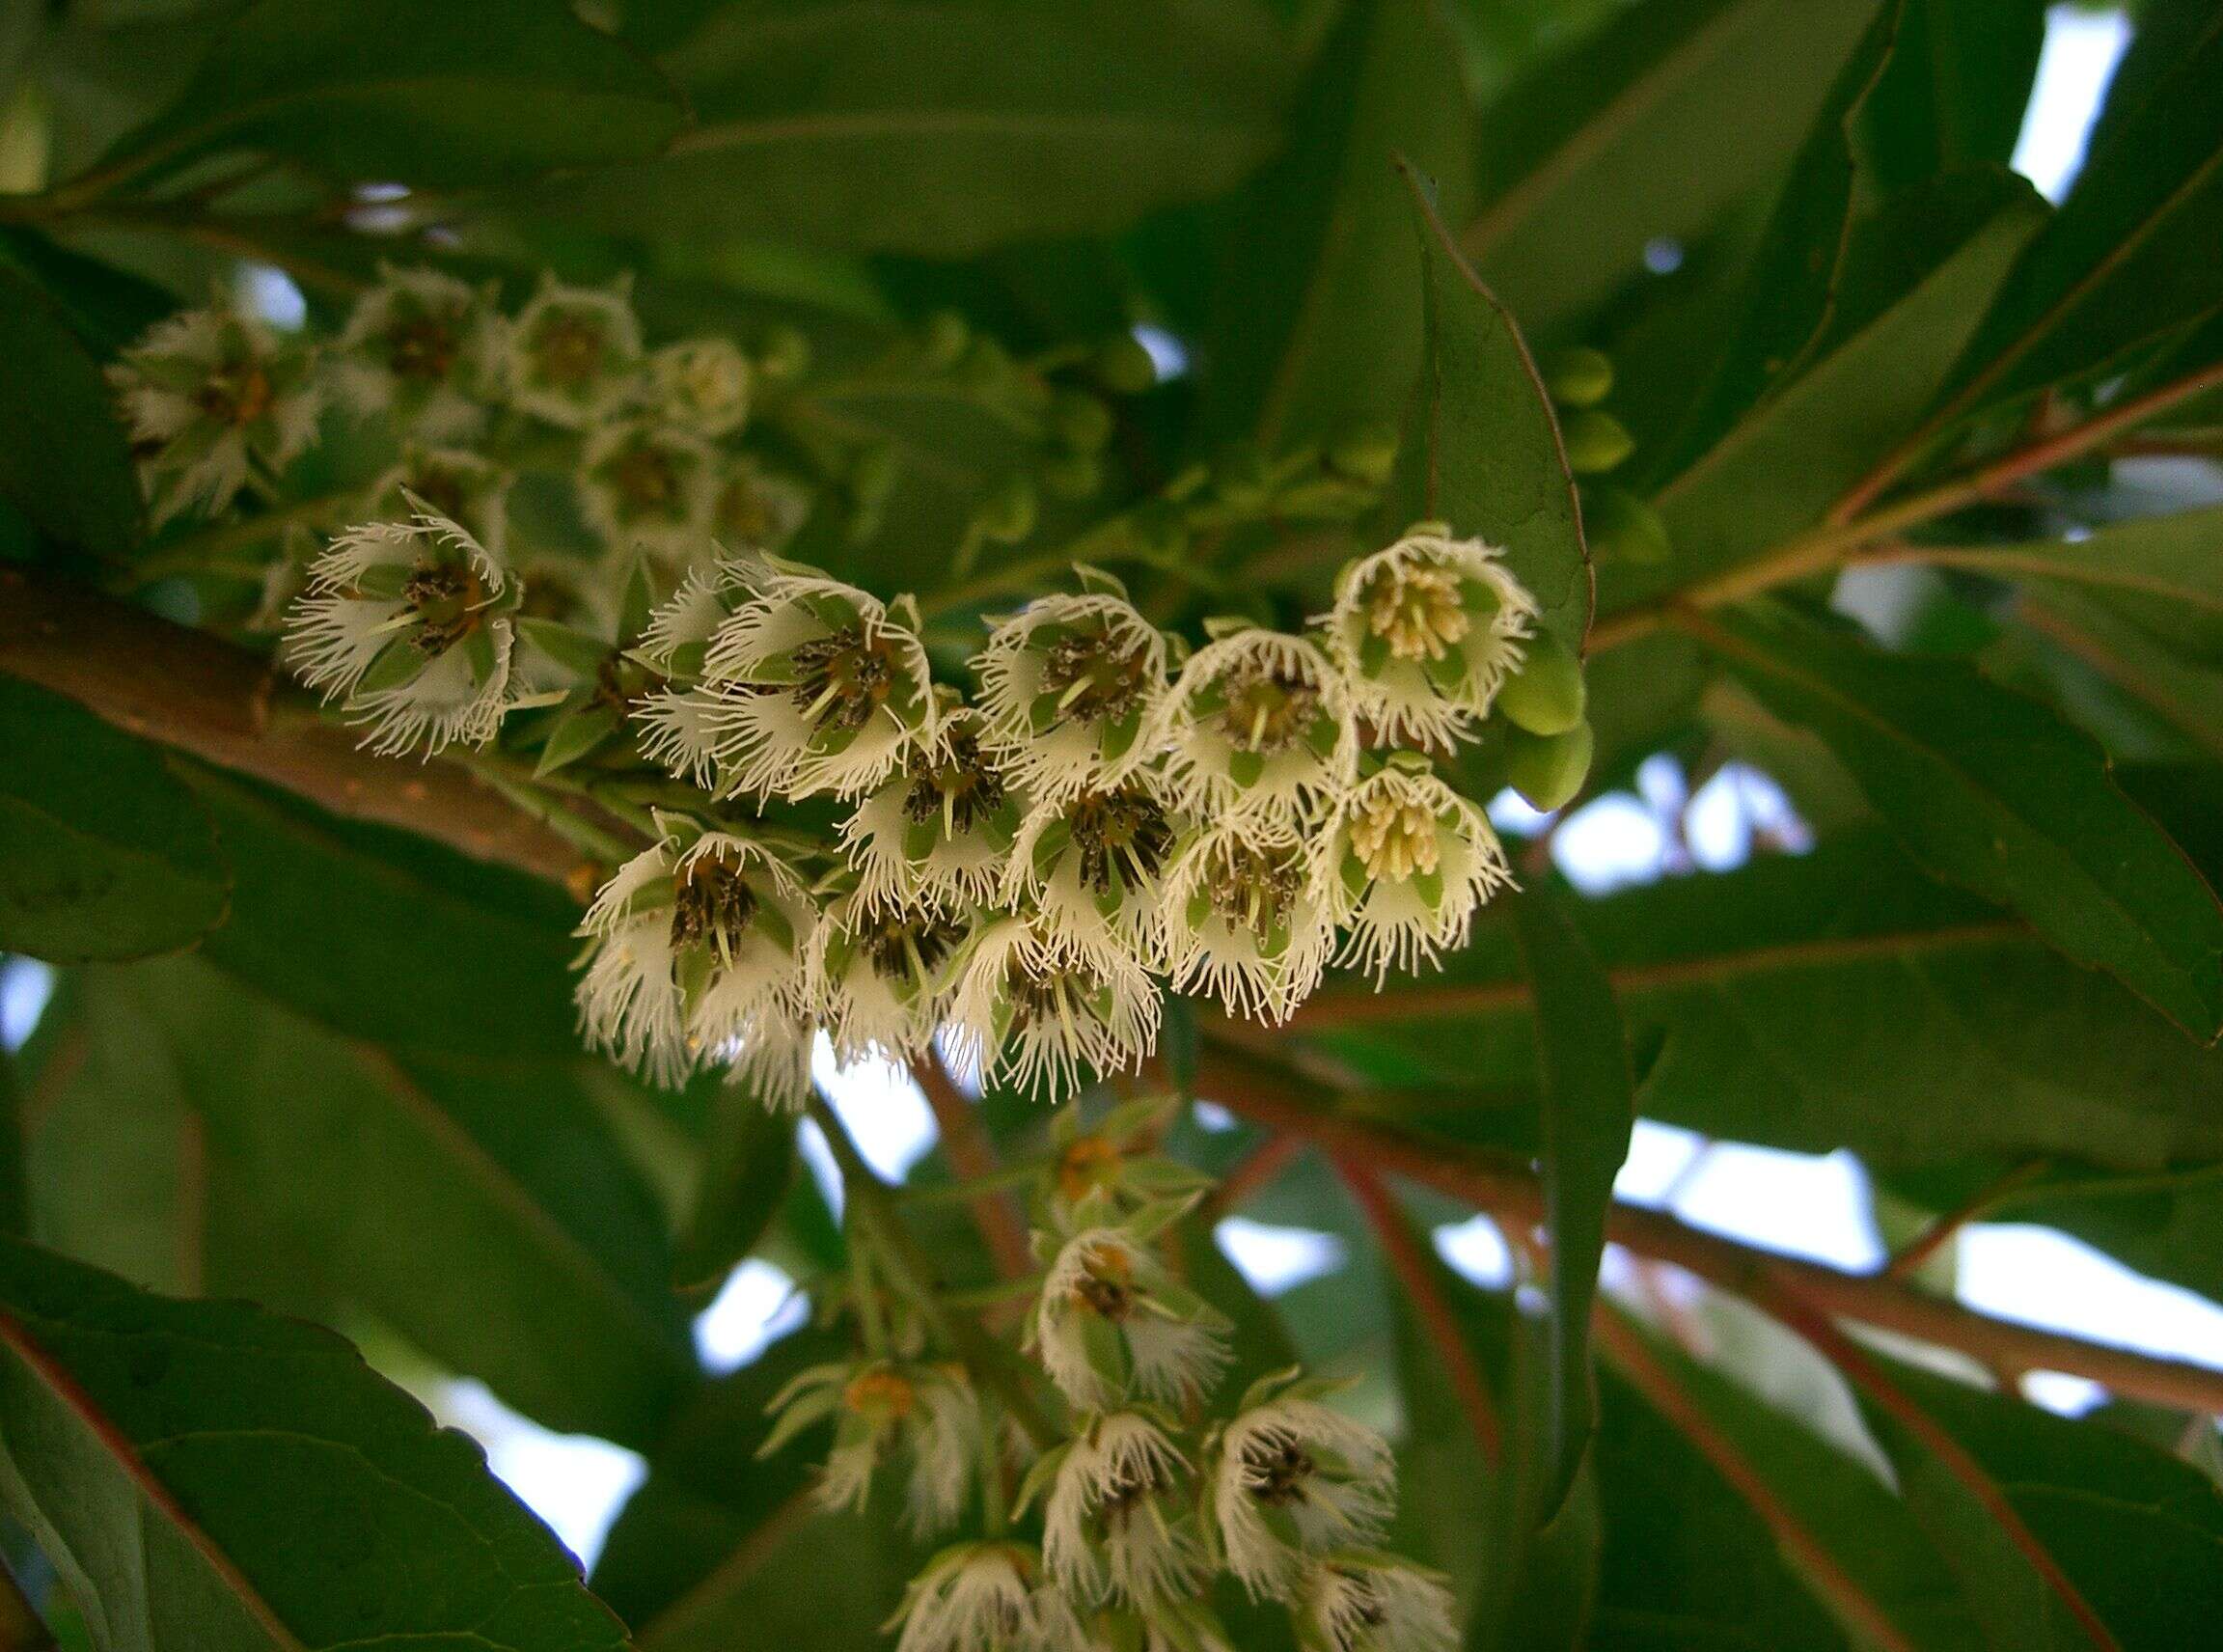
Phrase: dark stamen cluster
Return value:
(1269, 709)
(567, 349)
(1105, 679)
(959, 772)
(644, 477)
(1276, 1469)
(236, 395)
(1124, 829)
(902, 941)
(442, 595)
(844, 677)
(714, 904)
(1253, 888)
(421, 347)
(1366, 1613)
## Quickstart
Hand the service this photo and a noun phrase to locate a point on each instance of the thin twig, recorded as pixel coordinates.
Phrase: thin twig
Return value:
(1469, 1382)
(1909, 1258)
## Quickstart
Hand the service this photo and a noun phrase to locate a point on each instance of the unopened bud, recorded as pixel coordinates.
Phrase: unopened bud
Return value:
(1368, 452)
(1008, 516)
(784, 352)
(1596, 442)
(1549, 769)
(1579, 377)
(1622, 528)
(1546, 695)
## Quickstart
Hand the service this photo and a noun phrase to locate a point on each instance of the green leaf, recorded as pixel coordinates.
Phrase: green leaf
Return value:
(205, 1475)
(1318, 322)
(484, 1212)
(63, 460)
(1915, 281)
(1991, 792)
(946, 129)
(104, 853)
(748, 1165)
(578, 733)
(417, 91)
(387, 936)
(1957, 89)
(1480, 450)
(1589, 1109)
(2127, 257)
(1651, 131)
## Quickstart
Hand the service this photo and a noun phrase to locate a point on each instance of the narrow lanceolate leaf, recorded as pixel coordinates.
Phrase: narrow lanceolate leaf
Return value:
(1650, 132)
(417, 90)
(1956, 90)
(1588, 1110)
(64, 460)
(1992, 792)
(2131, 253)
(1318, 322)
(1795, 273)
(204, 1475)
(485, 1212)
(104, 853)
(944, 130)
(1480, 449)
(1915, 278)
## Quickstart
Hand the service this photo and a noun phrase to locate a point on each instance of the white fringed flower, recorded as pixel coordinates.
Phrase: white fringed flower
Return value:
(573, 354)
(1112, 1527)
(1186, 1625)
(700, 385)
(207, 395)
(1425, 631)
(649, 488)
(1112, 1323)
(1296, 1480)
(1406, 861)
(677, 728)
(455, 483)
(1092, 863)
(1372, 1603)
(926, 1414)
(423, 353)
(878, 975)
(698, 961)
(1257, 724)
(940, 832)
(1246, 919)
(1071, 690)
(986, 1597)
(822, 690)
(1031, 1013)
(674, 727)
(408, 623)
(758, 507)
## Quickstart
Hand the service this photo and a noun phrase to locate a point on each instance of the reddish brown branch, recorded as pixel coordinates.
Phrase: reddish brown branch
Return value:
(1909, 1258)
(1865, 1374)
(1410, 1263)
(1634, 1358)
(1255, 1171)
(971, 1158)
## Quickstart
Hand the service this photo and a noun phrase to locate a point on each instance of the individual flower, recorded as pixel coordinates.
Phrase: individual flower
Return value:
(1112, 1323)
(882, 1411)
(1425, 631)
(986, 1597)
(1408, 860)
(649, 488)
(697, 960)
(756, 507)
(1257, 724)
(673, 725)
(1114, 1525)
(1357, 1602)
(1246, 919)
(1033, 1012)
(822, 690)
(1092, 863)
(1070, 688)
(700, 385)
(408, 623)
(877, 976)
(207, 395)
(423, 353)
(573, 353)
(939, 831)
(454, 483)
(1294, 1481)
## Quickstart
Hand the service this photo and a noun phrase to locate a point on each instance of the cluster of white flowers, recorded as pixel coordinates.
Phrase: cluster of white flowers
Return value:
(1143, 1496)
(1020, 872)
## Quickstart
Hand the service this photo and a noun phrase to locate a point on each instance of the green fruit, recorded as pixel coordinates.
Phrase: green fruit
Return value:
(1622, 528)
(1549, 769)
(1546, 696)
(1579, 377)
(1595, 441)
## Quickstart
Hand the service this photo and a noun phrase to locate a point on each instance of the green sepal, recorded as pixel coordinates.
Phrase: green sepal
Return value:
(398, 664)
(573, 650)
(577, 733)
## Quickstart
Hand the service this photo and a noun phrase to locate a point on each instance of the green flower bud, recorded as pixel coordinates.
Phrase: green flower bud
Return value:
(1368, 452)
(1579, 377)
(1080, 421)
(1008, 516)
(1622, 528)
(1546, 695)
(1596, 441)
(784, 352)
(1549, 769)
(1123, 367)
